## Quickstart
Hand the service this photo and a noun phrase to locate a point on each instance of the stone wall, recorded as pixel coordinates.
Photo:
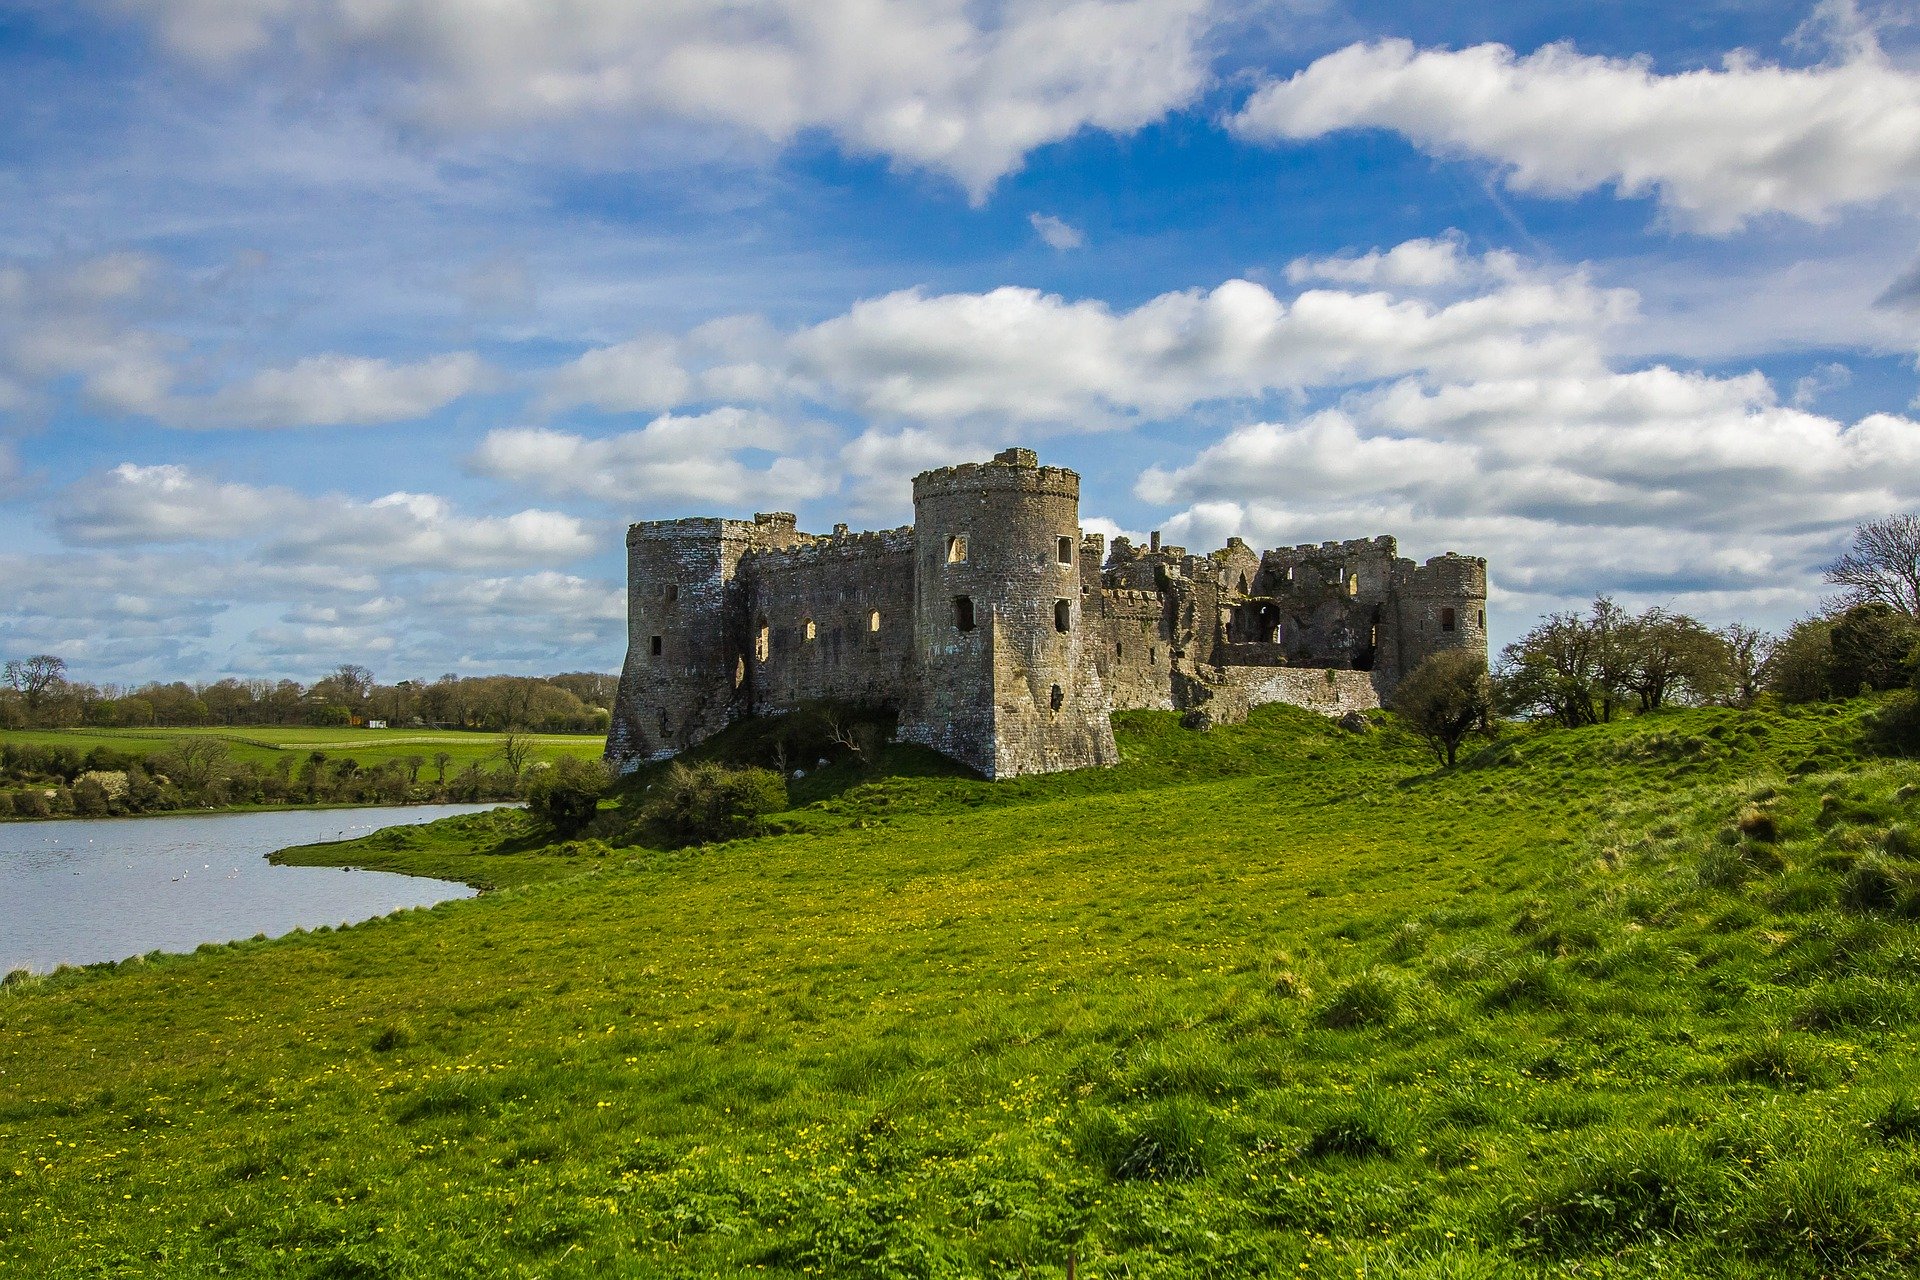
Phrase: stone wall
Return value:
(831, 618)
(1132, 651)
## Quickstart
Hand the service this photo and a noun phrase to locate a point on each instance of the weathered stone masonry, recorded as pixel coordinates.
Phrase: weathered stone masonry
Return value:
(1001, 635)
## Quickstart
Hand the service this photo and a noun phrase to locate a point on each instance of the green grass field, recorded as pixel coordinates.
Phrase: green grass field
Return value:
(264, 745)
(1630, 1000)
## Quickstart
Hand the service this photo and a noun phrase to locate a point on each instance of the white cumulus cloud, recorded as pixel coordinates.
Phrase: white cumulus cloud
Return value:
(1717, 147)
(949, 85)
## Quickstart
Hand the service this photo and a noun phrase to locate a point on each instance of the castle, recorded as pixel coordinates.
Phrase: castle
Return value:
(1003, 637)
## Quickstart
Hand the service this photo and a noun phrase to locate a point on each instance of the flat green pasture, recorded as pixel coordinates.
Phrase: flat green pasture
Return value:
(1279, 999)
(267, 744)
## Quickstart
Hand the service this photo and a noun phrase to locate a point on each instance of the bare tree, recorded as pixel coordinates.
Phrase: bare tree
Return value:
(441, 759)
(515, 746)
(1882, 566)
(194, 762)
(33, 678)
(1749, 656)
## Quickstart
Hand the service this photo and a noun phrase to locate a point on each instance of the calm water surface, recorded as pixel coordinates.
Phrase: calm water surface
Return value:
(107, 889)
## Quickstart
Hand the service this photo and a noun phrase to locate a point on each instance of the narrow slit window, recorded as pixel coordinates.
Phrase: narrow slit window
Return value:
(1353, 584)
(963, 613)
(873, 620)
(1066, 551)
(658, 646)
(957, 549)
(1058, 699)
(763, 641)
(807, 631)
(1446, 619)
(1482, 620)
(1062, 616)
(739, 672)
(1120, 649)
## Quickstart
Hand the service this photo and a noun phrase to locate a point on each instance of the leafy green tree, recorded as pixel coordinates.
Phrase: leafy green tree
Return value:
(1801, 668)
(1668, 653)
(1873, 648)
(1551, 672)
(1445, 698)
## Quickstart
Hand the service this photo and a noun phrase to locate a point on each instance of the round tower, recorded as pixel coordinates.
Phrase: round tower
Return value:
(1005, 685)
(1444, 606)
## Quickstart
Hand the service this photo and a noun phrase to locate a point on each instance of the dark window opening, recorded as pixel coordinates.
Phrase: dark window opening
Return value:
(1066, 551)
(656, 646)
(1446, 619)
(1059, 699)
(963, 612)
(672, 593)
(1243, 584)
(1153, 655)
(1062, 616)
(1482, 623)
(1120, 650)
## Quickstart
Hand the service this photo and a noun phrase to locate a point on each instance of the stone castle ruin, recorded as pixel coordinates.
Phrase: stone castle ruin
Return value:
(1002, 636)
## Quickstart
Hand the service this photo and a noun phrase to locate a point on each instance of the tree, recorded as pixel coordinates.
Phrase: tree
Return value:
(1801, 666)
(1445, 698)
(567, 793)
(1882, 566)
(707, 801)
(515, 747)
(1749, 655)
(1873, 647)
(1667, 653)
(194, 763)
(36, 677)
(1550, 671)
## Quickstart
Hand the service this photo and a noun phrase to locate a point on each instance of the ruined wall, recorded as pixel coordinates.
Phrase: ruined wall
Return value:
(831, 618)
(1003, 681)
(1132, 650)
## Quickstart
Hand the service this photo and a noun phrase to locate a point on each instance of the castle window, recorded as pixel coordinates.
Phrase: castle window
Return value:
(1446, 619)
(1062, 616)
(957, 549)
(1243, 584)
(807, 631)
(1353, 584)
(1153, 656)
(1058, 699)
(671, 594)
(739, 672)
(1120, 650)
(763, 641)
(656, 646)
(963, 613)
(873, 620)
(1482, 623)
(1066, 551)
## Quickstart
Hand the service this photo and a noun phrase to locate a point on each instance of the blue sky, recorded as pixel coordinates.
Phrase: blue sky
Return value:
(358, 331)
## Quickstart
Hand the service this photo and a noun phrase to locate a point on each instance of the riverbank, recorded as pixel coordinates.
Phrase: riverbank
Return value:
(496, 849)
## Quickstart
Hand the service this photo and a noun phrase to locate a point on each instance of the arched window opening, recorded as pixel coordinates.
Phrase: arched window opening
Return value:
(807, 631)
(1243, 584)
(963, 613)
(873, 620)
(657, 645)
(1058, 699)
(957, 549)
(1120, 649)
(1446, 619)
(739, 672)
(1066, 551)
(763, 641)
(1062, 616)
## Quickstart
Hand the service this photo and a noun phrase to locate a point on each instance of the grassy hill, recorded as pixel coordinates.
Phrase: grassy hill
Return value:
(1277, 999)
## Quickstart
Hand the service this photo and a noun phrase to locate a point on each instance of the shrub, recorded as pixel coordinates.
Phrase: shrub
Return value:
(567, 795)
(1632, 1187)
(705, 802)
(1174, 1142)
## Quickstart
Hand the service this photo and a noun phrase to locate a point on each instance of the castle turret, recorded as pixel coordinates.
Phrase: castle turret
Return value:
(686, 674)
(1004, 683)
(1443, 605)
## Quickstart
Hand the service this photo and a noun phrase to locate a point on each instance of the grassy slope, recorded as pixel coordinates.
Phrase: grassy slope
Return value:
(265, 745)
(1304, 1008)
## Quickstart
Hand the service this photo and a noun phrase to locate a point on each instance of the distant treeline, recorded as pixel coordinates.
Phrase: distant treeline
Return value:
(39, 781)
(36, 694)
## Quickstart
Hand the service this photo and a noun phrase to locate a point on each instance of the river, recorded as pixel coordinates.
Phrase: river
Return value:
(79, 892)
